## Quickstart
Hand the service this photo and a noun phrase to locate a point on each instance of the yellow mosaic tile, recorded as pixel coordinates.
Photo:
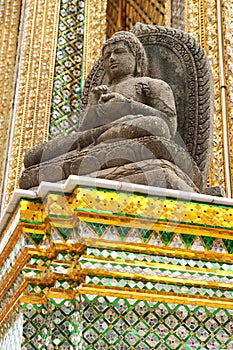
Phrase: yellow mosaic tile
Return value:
(32, 211)
(164, 209)
(58, 205)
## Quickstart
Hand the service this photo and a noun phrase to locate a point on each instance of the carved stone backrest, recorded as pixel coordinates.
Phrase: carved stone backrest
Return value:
(178, 59)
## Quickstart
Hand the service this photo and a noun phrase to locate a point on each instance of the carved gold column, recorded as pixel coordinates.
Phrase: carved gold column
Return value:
(226, 13)
(95, 32)
(167, 19)
(210, 22)
(32, 101)
(9, 27)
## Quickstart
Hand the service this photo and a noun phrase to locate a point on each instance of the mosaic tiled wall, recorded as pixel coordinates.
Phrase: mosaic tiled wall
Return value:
(106, 269)
(116, 323)
(12, 340)
(54, 325)
(109, 322)
(121, 324)
(68, 68)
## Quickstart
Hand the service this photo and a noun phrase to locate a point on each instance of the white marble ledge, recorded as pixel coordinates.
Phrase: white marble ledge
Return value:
(73, 181)
(12, 205)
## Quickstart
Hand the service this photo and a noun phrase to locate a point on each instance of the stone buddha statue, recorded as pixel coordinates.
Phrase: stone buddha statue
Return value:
(132, 114)
(130, 94)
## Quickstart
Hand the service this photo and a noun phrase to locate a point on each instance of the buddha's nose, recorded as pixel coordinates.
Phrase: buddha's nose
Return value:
(112, 56)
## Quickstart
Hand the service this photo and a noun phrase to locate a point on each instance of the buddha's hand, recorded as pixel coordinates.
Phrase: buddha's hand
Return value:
(113, 104)
(113, 97)
(101, 89)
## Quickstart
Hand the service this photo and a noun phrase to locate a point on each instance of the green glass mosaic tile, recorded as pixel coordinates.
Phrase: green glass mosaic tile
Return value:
(208, 241)
(36, 326)
(99, 229)
(166, 236)
(188, 239)
(145, 234)
(64, 232)
(114, 323)
(37, 238)
(123, 231)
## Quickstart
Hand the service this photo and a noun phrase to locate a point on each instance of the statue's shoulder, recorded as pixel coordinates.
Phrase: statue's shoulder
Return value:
(155, 84)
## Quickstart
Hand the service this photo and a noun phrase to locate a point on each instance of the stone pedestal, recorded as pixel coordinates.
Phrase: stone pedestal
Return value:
(96, 264)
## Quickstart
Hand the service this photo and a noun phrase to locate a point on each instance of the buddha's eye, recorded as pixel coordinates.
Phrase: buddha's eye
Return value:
(107, 55)
(120, 50)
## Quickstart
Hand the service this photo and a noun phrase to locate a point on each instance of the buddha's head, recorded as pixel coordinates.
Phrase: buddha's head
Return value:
(124, 55)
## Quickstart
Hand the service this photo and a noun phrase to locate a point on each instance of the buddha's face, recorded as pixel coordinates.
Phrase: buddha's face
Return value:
(119, 61)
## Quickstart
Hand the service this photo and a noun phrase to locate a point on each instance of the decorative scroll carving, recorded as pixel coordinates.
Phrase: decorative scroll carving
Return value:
(34, 84)
(201, 22)
(9, 27)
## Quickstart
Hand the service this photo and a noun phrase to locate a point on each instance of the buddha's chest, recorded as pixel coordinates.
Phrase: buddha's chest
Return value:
(131, 89)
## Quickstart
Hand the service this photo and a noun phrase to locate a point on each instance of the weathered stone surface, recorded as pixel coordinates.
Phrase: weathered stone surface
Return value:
(61, 146)
(152, 172)
(215, 191)
(178, 59)
(146, 116)
(112, 154)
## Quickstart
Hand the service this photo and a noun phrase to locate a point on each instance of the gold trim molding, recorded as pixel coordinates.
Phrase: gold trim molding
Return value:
(9, 28)
(211, 24)
(95, 32)
(32, 102)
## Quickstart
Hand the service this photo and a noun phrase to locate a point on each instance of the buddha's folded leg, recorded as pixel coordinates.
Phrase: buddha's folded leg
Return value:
(130, 127)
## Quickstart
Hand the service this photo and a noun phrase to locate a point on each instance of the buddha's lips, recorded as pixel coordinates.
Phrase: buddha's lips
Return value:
(113, 65)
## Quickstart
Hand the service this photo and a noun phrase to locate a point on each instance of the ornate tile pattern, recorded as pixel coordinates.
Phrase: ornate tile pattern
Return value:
(53, 325)
(98, 269)
(68, 69)
(117, 323)
(13, 338)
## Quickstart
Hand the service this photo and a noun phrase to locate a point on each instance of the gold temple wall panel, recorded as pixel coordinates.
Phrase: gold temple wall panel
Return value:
(124, 14)
(9, 30)
(210, 22)
(95, 33)
(31, 113)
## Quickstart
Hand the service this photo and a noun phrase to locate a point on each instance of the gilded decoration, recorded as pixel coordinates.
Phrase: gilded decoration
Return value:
(32, 101)
(94, 33)
(9, 27)
(147, 11)
(94, 267)
(209, 22)
(124, 14)
(177, 10)
(227, 23)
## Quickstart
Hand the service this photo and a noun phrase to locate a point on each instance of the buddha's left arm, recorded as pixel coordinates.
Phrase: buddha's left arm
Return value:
(159, 95)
